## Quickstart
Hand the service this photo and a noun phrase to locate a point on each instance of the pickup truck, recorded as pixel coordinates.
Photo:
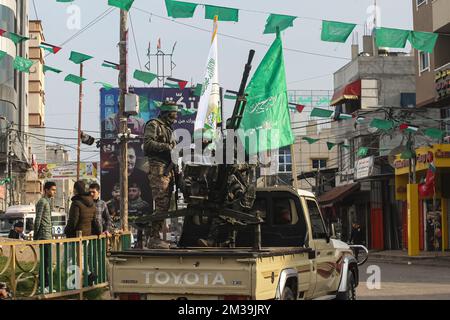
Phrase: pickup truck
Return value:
(297, 259)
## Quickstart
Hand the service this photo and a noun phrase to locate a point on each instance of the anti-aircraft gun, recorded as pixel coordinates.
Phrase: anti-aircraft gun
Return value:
(221, 191)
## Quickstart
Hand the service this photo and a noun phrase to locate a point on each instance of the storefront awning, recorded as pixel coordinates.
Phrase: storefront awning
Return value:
(338, 194)
(351, 91)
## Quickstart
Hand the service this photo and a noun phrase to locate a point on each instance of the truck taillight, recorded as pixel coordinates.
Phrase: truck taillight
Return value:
(236, 298)
(129, 296)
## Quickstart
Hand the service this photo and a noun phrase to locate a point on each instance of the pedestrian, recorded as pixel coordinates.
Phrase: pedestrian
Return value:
(103, 217)
(356, 237)
(158, 145)
(17, 231)
(114, 208)
(43, 228)
(82, 213)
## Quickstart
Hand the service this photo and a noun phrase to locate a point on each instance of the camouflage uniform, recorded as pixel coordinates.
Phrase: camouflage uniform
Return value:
(158, 144)
(138, 208)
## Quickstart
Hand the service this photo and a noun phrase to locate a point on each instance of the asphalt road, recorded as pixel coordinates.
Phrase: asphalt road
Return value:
(403, 282)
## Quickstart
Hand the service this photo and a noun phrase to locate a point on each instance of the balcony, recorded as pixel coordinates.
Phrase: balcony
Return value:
(441, 16)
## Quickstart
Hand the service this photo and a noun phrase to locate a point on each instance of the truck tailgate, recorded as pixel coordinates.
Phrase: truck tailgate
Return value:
(181, 273)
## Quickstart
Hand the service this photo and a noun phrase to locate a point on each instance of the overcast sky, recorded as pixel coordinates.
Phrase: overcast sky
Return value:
(304, 71)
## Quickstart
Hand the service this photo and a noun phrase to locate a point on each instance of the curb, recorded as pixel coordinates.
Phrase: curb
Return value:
(421, 261)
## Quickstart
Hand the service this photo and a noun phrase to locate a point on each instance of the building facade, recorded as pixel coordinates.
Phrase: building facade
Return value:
(13, 103)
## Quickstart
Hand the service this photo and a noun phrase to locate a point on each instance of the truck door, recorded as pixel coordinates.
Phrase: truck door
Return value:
(325, 265)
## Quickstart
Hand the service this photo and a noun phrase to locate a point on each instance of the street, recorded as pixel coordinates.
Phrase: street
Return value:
(406, 282)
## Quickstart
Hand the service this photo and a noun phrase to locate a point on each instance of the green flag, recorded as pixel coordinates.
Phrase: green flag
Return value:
(105, 85)
(382, 124)
(321, 113)
(2, 55)
(75, 79)
(121, 4)
(310, 140)
(363, 151)
(334, 31)
(224, 14)
(391, 38)
(330, 145)
(423, 41)
(179, 9)
(48, 68)
(16, 38)
(198, 90)
(278, 21)
(266, 117)
(78, 58)
(22, 64)
(146, 77)
(434, 133)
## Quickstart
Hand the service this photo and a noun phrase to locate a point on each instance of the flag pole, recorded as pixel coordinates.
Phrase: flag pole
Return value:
(80, 108)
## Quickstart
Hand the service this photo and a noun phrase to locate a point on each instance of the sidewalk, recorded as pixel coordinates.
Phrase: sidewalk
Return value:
(425, 258)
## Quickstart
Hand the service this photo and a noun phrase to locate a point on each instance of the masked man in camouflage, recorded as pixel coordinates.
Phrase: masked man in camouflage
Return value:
(158, 144)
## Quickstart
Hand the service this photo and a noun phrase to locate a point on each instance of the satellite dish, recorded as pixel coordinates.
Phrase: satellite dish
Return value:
(396, 151)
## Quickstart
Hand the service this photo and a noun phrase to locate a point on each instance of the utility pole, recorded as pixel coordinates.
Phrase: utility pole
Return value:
(80, 107)
(123, 120)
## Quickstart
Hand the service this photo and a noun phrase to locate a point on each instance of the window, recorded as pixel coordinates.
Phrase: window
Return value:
(317, 225)
(424, 61)
(319, 163)
(420, 2)
(284, 160)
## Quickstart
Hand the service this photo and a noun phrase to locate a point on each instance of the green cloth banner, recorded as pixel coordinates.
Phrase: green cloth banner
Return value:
(198, 90)
(75, 79)
(334, 31)
(321, 113)
(363, 151)
(330, 145)
(423, 41)
(382, 124)
(146, 77)
(310, 140)
(391, 38)
(224, 14)
(278, 21)
(266, 120)
(22, 64)
(16, 38)
(105, 85)
(434, 133)
(179, 9)
(121, 4)
(78, 58)
(47, 68)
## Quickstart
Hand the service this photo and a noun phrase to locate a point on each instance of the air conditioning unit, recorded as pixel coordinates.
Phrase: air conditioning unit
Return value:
(131, 104)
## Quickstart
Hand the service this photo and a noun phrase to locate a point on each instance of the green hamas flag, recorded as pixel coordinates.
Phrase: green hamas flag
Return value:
(2, 55)
(330, 145)
(278, 21)
(391, 38)
(224, 14)
(266, 116)
(22, 64)
(321, 113)
(423, 41)
(179, 9)
(48, 68)
(310, 140)
(333, 31)
(363, 151)
(382, 124)
(146, 77)
(121, 4)
(78, 58)
(16, 38)
(75, 79)
(105, 85)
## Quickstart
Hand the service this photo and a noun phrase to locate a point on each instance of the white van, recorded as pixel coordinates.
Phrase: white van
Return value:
(27, 214)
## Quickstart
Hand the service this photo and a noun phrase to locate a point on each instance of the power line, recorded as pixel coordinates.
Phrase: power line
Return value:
(135, 42)
(35, 10)
(238, 38)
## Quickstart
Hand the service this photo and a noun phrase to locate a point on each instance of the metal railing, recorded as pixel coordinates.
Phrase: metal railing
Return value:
(50, 269)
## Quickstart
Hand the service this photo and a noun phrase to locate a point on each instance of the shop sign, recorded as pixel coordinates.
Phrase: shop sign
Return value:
(443, 83)
(364, 168)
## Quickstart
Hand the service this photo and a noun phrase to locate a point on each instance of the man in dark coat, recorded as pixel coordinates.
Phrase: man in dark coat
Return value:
(17, 232)
(82, 214)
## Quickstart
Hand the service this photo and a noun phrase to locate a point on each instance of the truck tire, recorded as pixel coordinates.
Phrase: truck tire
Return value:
(350, 294)
(287, 294)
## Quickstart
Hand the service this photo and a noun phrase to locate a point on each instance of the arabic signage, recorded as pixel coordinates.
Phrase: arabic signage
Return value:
(88, 170)
(364, 168)
(443, 83)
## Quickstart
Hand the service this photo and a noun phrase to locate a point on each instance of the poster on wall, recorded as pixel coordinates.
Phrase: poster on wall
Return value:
(149, 101)
(49, 171)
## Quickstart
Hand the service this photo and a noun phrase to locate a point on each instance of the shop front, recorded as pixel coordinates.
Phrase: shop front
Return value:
(432, 171)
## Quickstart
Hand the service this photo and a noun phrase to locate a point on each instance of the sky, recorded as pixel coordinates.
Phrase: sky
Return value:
(149, 19)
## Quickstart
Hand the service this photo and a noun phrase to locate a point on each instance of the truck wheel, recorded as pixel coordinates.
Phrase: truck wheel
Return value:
(350, 294)
(287, 294)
